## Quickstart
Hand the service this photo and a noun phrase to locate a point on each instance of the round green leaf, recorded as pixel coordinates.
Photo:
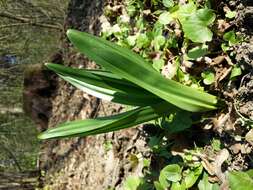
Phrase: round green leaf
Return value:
(165, 18)
(158, 64)
(195, 26)
(168, 3)
(208, 77)
(236, 71)
(240, 181)
(171, 173)
(231, 14)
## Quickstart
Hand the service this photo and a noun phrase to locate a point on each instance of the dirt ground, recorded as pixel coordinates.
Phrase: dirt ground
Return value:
(86, 163)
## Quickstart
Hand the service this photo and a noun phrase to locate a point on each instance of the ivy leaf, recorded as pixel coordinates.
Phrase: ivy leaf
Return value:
(197, 33)
(236, 71)
(185, 11)
(195, 22)
(158, 64)
(240, 181)
(205, 16)
(195, 27)
(197, 52)
(168, 3)
(171, 173)
(230, 14)
(192, 176)
(158, 186)
(225, 47)
(208, 77)
(165, 18)
(178, 186)
(231, 38)
(132, 183)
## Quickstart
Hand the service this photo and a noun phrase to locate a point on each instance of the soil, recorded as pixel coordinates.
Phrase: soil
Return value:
(87, 163)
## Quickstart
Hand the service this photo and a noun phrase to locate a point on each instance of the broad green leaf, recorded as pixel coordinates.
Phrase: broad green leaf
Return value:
(236, 71)
(225, 47)
(132, 67)
(105, 85)
(107, 124)
(177, 186)
(196, 32)
(195, 22)
(158, 64)
(192, 176)
(240, 181)
(208, 77)
(171, 173)
(132, 183)
(197, 52)
(204, 184)
(231, 14)
(185, 11)
(205, 16)
(168, 3)
(165, 18)
(231, 38)
(158, 186)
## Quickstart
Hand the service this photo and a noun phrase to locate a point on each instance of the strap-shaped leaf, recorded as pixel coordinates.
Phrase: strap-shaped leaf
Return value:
(108, 124)
(132, 67)
(105, 85)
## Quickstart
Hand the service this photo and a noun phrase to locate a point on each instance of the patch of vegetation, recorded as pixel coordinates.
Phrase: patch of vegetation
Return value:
(185, 52)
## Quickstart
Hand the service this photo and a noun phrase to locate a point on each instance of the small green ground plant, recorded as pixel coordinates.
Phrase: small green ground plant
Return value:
(128, 79)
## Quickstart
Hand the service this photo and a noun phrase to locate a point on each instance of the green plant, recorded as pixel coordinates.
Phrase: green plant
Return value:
(128, 79)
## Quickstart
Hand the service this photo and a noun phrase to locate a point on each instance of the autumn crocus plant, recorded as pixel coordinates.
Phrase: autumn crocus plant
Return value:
(127, 79)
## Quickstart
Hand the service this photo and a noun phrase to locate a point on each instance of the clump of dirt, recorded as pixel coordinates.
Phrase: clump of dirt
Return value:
(244, 22)
(245, 97)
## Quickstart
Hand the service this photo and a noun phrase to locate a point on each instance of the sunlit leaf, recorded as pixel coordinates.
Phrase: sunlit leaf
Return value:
(236, 71)
(230, 14)
(168, 3)
(240, 181)
(132, 67)
(105, 85)
(208, 77)
(171, 173)
(132, 183)
(107, 124)
(204, 184)
(165, 18)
